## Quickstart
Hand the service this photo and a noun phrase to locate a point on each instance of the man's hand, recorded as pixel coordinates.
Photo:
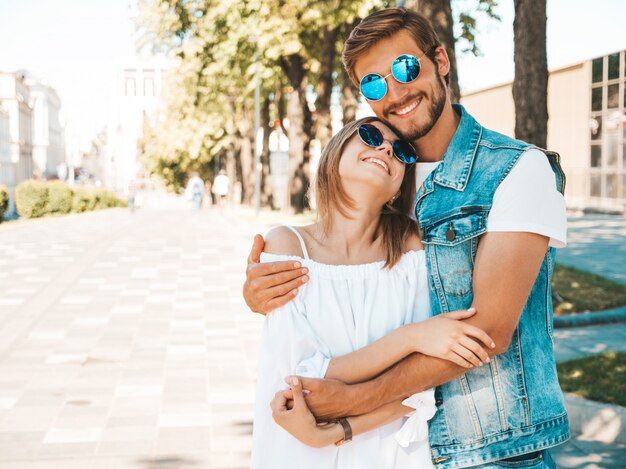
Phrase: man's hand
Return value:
(327, 398)
(273, 284)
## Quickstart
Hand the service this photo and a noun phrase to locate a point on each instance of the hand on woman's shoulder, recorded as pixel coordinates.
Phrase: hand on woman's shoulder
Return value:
(281, 240)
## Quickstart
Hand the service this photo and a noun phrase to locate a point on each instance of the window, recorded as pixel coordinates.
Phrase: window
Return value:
(596, 156)
(613, 66)
(596, 73)
(611, 146)
(130, 86)
(595, 125)
(148, 86)
(610, 184)
(595, 186)
(596, 99)
(612, 101)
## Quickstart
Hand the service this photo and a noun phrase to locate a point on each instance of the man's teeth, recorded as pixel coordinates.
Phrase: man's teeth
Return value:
(380, 163)
(407, 109)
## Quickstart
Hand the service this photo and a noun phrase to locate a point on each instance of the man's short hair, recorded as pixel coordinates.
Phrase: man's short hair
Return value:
(383, 24)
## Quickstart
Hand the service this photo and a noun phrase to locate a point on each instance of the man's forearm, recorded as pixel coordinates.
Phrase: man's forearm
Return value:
(414, 374)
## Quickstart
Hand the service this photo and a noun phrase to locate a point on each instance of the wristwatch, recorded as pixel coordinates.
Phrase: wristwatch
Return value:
(347, 431)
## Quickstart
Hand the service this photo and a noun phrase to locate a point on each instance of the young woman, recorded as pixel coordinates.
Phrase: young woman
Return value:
(365, 307)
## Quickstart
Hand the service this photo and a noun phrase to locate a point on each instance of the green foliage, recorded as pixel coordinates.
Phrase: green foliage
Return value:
(4, 201)
(83, 200)
(59, 198)
(600, 378)
(469, 11)
(31, 199)
(36, 199)
(107, 199)
(583, 291)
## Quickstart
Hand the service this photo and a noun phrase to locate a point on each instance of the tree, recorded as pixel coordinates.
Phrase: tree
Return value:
(440, 15)
(530, 86)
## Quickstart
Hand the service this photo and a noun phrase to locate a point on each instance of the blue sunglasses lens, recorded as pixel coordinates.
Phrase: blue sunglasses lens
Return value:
(373, 87)
(370, 135)
(404, 151)
(405, 68)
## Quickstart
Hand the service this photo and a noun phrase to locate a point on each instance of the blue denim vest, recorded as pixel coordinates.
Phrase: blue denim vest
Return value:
(514, 405)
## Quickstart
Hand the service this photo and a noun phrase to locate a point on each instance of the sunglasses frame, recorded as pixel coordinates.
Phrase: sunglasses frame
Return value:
(384, 78)
(393, 145)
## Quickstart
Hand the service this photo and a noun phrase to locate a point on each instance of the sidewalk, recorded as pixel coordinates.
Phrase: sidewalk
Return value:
(596, 244)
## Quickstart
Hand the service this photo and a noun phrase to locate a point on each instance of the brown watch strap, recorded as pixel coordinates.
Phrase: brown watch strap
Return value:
(347, 431)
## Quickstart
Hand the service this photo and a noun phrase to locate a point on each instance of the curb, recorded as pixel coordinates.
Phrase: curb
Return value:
(595, 421)
(590, 319)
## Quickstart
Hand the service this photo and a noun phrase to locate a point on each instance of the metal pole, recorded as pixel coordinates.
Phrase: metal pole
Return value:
(257, 124)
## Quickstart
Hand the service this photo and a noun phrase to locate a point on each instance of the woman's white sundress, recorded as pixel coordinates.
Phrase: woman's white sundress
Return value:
(341, 309)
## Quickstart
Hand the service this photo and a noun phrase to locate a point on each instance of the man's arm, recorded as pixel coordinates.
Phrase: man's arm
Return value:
(273, 284)
(505, 270)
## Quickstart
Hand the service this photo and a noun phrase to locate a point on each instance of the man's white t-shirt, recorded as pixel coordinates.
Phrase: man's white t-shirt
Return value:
(527, 200)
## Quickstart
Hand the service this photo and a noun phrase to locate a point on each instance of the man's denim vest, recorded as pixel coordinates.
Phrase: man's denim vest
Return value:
(514, 405)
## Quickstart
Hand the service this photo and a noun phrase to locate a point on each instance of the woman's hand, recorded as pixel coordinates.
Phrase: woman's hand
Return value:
(299, 421)
(446, 336)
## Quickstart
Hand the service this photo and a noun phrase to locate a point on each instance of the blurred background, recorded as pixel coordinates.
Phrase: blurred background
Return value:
(197, 123)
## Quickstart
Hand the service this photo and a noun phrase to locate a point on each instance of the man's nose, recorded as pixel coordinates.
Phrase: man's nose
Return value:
(396, 91)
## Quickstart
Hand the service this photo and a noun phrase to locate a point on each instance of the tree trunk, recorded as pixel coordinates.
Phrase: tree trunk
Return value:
(439, 13)
(299, 132)
(323, 129)
(530, 86)
(246, 158)
(266, 188)
(349, 94)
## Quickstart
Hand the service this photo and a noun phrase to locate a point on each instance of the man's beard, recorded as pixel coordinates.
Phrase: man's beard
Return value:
(437, 104)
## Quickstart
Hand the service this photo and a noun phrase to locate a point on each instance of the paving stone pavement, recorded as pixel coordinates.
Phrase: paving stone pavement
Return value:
(125, 343)
(596, 243)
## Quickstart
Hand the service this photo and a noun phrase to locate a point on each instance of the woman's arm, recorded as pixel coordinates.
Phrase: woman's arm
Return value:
(300, 422)
(444, 336)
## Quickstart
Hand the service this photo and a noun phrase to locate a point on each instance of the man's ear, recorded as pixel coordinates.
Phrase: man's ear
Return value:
(442, 61)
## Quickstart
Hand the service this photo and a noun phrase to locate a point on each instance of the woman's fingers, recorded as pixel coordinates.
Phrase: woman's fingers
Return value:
(475, 348)
(461, 314)
(298, 398)
(466, 354)
(457, 359)
(479, 334)
(279, 403)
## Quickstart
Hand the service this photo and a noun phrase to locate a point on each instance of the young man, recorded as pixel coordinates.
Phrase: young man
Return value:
(491, 212)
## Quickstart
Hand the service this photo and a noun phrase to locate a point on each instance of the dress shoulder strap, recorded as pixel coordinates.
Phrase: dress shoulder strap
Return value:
(305, 253)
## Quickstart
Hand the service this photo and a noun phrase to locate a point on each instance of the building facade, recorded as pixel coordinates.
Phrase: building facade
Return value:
(48, 132)
(587, 126)
(15, 102)
(136, 97)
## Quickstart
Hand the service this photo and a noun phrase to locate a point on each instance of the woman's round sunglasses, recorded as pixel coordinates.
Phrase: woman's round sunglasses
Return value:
(405, 68)
(373, 137)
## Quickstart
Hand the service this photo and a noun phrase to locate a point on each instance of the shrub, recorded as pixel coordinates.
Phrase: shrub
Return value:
(4, 201)
(31, 199)
(59, 197)
(83, 200)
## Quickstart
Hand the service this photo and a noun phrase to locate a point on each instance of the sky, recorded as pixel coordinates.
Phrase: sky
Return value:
(75, 45)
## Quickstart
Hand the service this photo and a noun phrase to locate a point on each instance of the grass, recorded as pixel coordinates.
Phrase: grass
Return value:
(583, 291)
(600, 378)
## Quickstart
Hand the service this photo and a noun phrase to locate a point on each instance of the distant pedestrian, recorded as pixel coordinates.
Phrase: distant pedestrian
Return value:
(195, 190)
(220, 188)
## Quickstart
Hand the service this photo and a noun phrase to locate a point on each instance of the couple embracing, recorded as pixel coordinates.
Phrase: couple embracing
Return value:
(411, 326)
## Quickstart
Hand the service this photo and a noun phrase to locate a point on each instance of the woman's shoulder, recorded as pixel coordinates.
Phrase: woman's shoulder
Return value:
(283, 241)
(413, 242)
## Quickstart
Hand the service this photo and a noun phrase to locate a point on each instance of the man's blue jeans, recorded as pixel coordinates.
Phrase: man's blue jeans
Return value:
(542, 460)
